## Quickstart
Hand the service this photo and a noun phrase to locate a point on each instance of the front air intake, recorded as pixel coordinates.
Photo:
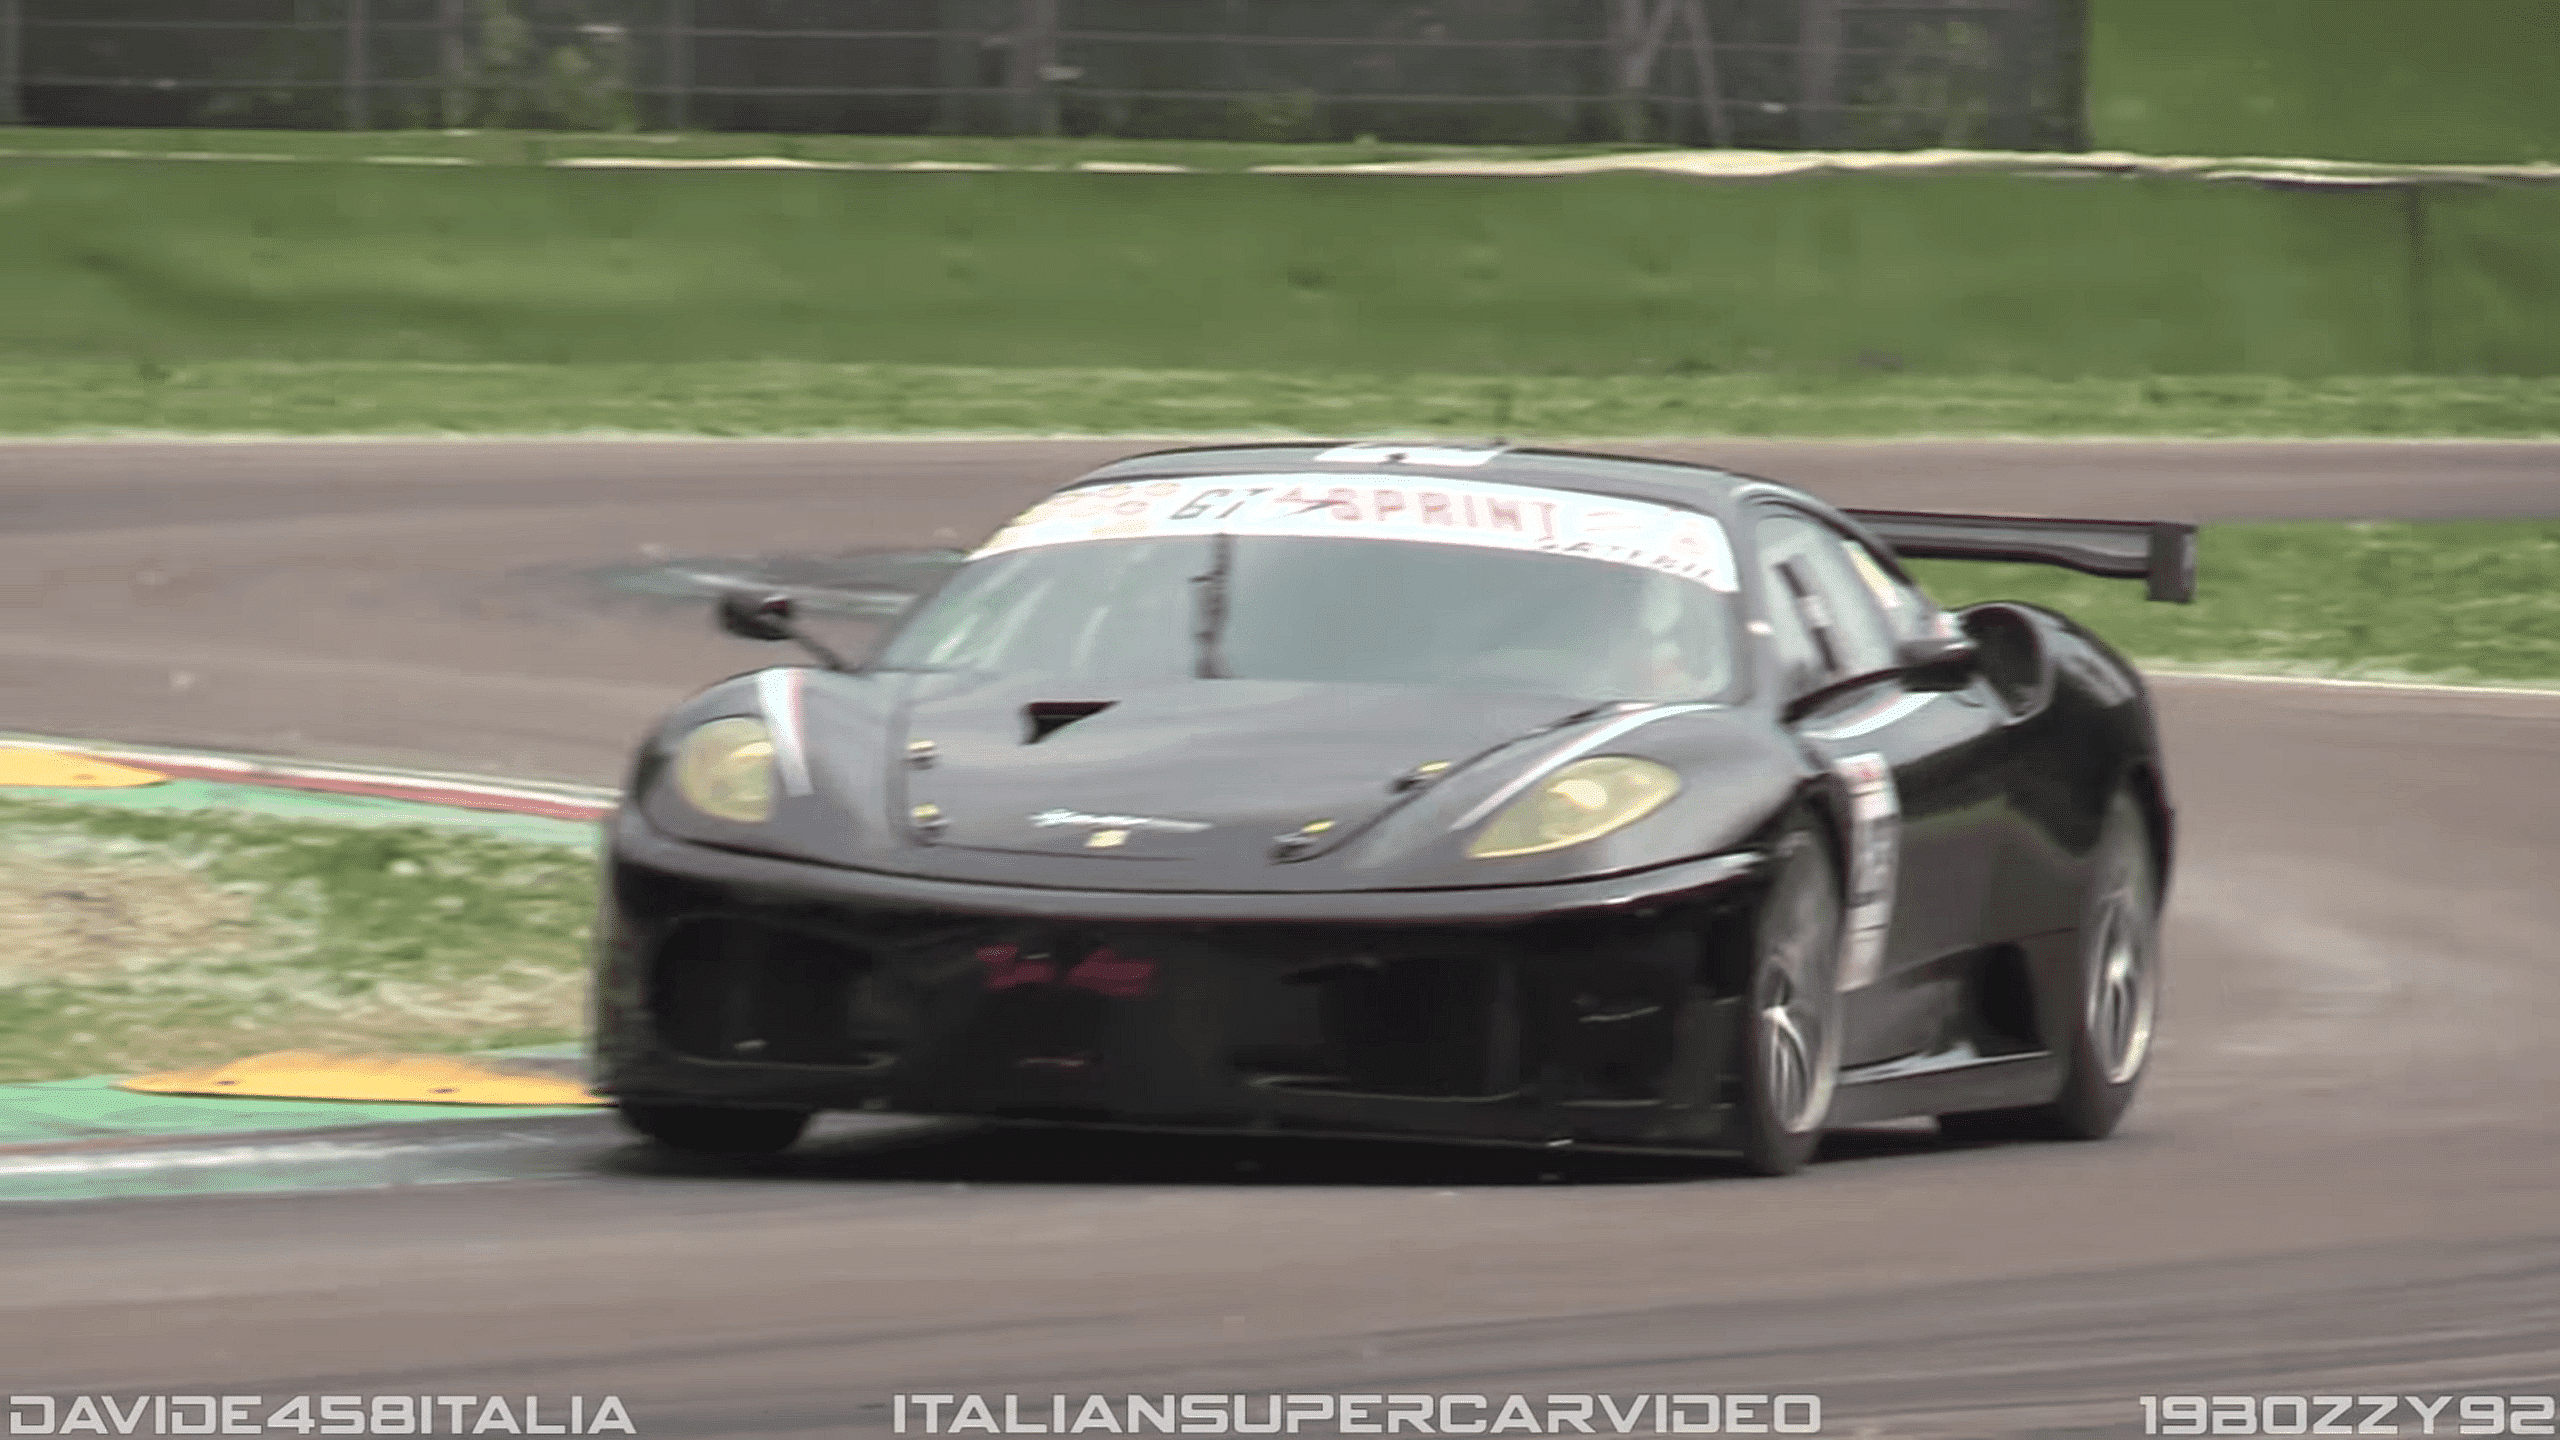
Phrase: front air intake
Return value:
(736, 989)
(1044, 718)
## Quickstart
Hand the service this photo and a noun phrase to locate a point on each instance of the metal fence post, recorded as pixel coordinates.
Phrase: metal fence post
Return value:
(1018, 65)
(453, 63)
(679, 64)
(1818, 74)
(11, 113)
(1052, 73)
(1702, 54)
(2015, 53)
(1235, 66)
(1634, 37)
(2066, 97)
(359, 81)
(956, 62)
(1034, 55)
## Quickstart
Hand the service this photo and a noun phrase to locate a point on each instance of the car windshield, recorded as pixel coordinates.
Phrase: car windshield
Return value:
(1265, 607)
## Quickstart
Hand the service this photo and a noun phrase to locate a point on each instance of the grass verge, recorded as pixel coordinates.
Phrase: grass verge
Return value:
(2459, 602)
(815, 398)
(542, 147)
(1600, 276)
(141, 940)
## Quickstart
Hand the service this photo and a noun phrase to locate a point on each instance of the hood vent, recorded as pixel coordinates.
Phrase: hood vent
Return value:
(1044, 718)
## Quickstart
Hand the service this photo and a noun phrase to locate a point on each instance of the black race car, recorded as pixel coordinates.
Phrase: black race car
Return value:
(1486, 794)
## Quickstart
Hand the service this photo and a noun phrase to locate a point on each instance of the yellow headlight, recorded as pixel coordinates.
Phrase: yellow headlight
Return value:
(1583, 801)
(725, 769)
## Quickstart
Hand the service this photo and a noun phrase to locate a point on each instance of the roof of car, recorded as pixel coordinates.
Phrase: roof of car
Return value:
(1664, 481)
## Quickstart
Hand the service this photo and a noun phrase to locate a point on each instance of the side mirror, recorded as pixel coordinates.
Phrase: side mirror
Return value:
(757, 614)
(1937, 662)
(770, 615)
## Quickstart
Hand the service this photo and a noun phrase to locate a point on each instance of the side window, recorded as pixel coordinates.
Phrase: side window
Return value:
(1826, 619)
(1909, 614)
(1800, 664)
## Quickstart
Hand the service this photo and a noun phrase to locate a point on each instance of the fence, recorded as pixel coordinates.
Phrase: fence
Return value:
(1882, 74)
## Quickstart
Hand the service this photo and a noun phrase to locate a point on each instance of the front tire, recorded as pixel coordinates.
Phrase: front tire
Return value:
(2115, 999)
(716, 1130)
(1791, 1017)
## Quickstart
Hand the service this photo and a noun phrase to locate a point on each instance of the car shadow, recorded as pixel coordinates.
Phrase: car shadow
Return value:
(968, 1153)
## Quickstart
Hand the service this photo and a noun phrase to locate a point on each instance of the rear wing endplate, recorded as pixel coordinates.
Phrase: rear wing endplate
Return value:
(2161, 553)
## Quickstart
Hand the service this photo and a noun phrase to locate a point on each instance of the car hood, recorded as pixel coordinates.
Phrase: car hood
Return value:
(1191, 785)
(1215, 772)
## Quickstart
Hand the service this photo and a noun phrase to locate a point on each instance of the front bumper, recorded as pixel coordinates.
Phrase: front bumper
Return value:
(1598, 1012)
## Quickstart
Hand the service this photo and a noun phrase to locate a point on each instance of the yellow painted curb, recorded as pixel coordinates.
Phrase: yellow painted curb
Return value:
(60, 770)
(311, 1075)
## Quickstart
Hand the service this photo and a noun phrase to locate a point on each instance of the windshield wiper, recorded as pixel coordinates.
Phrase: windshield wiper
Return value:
(1210, 606)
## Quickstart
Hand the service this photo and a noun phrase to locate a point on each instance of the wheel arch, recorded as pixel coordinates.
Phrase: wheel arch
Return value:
(2142, 778)
(1817, 797)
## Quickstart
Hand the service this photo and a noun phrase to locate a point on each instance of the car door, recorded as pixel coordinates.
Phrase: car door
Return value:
(1921, 770)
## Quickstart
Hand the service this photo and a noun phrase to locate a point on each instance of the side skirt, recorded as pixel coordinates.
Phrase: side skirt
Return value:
(1999, 1049)
(1940, 1084)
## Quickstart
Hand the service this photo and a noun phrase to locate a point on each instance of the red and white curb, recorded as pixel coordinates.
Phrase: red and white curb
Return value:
(461, 792)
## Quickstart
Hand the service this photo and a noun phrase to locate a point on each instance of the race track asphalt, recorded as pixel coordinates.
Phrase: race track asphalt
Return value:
(2342, 1176)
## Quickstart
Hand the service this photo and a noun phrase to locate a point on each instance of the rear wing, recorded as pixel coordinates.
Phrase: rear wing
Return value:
(2161, 553)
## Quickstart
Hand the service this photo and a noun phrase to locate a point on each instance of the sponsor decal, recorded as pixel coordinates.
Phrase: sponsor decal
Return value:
(1105, 972)
(1047, 818)
(1453, 511)
(1895, 601)
(1442, 457)
(779, 696)
(1875, 850)
(1868, 719)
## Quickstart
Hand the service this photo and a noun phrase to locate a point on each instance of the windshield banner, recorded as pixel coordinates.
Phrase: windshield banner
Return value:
(1431, 511)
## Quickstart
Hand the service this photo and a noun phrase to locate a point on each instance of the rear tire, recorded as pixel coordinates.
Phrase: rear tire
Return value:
(2115, 999)
(716, 1130)
(1791, 1014)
